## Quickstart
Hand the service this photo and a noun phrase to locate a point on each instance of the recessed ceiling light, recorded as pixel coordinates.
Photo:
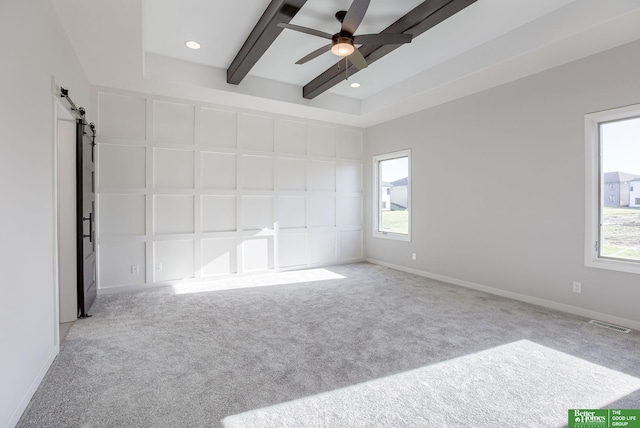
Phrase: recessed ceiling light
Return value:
(192, 45)
(355, 85)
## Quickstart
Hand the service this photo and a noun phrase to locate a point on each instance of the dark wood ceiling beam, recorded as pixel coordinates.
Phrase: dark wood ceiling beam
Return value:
(261, 37)
(426, 15)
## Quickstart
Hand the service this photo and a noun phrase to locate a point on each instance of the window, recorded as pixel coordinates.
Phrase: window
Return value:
(392, 184)
(613, 220)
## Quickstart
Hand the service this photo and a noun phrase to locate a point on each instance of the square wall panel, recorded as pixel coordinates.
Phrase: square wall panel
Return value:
(121, 263)
(219, 256)
(292, 174)
(257, 254)
(350, 144)
(322, 140)
(255, 132)
(173, 123)
(121, 166)
(322, 246)
(172, 214)
(292, 212)
(121, 215)
(292, 249)
(291, 137)
(349, 211)
(218, 213)
(218, 171)
(173, 260)
(322, 210)
(218, 128)
(349, 177)
(173, 169)
(122, 117)
(350, 245)
(322, 176)
(257, 212)
(257, 173)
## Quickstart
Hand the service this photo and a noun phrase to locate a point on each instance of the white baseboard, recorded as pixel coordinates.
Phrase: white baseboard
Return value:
(635, 325)
(17, 414)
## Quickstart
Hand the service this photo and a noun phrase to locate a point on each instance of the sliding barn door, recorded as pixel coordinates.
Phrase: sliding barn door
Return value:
(85, 208)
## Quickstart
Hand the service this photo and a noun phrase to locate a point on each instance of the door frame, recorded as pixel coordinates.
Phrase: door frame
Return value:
(59, 112)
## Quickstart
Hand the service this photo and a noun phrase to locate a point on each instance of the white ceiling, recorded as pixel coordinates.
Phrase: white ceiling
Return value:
(128, 43)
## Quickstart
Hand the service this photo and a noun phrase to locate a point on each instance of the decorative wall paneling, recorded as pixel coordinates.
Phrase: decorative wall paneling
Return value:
(189, 191)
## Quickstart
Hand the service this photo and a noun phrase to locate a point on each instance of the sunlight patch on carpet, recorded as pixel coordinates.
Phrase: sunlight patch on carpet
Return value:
(518, 384)
(264, 280)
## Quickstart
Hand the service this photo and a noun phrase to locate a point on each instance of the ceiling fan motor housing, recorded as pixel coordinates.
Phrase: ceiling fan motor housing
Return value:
(342, 38)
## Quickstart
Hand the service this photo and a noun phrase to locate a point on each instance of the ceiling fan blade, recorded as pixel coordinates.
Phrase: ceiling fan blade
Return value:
(382, 39)
(358, 60)
(314, 54)
(355, 15)
(306, 30)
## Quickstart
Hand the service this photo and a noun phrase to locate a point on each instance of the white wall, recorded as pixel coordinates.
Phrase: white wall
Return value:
(33, 48)
(191, 191)
(517, 153)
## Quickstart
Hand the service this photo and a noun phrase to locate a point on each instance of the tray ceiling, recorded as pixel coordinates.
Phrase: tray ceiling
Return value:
(126, 44)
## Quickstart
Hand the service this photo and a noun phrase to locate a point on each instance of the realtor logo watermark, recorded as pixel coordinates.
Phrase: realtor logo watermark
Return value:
(588, 418)
(604, 418)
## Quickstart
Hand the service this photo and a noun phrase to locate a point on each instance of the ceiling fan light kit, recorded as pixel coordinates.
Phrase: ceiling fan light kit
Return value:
(342, 46)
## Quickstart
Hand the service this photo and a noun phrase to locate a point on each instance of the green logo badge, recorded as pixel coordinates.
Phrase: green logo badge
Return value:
(604, 418)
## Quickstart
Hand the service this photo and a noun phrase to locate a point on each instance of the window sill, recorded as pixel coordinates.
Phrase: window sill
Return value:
(610, 264)
(392, 236)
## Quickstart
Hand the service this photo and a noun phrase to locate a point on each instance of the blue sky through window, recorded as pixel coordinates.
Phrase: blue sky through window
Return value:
(621, 146)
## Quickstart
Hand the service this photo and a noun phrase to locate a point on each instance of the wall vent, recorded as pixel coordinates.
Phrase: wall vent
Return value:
(610, 326)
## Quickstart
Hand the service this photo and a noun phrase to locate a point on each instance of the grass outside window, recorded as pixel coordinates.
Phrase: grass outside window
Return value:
(395, 221)
(621, 233)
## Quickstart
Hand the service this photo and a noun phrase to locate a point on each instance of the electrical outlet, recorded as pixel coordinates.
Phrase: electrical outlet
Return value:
(414, 256)
(158, 266)
(577, 287)
(135, 269)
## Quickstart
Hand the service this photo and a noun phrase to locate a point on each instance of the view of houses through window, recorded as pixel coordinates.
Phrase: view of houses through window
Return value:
(393, 193)
(620, 189)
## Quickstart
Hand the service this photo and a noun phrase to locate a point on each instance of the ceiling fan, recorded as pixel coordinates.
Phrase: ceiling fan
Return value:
(342, 43)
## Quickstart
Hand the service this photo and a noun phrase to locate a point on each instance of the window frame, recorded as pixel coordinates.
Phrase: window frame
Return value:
(594, 189)
(376, 195)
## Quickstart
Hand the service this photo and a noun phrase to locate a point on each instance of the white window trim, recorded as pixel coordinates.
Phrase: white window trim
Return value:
(593, 185)
(376, 196)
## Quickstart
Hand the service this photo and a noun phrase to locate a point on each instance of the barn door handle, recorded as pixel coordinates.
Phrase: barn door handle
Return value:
(90, 220)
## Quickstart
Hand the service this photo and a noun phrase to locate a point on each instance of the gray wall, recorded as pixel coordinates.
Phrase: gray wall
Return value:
(504, 151)
(33, 48)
